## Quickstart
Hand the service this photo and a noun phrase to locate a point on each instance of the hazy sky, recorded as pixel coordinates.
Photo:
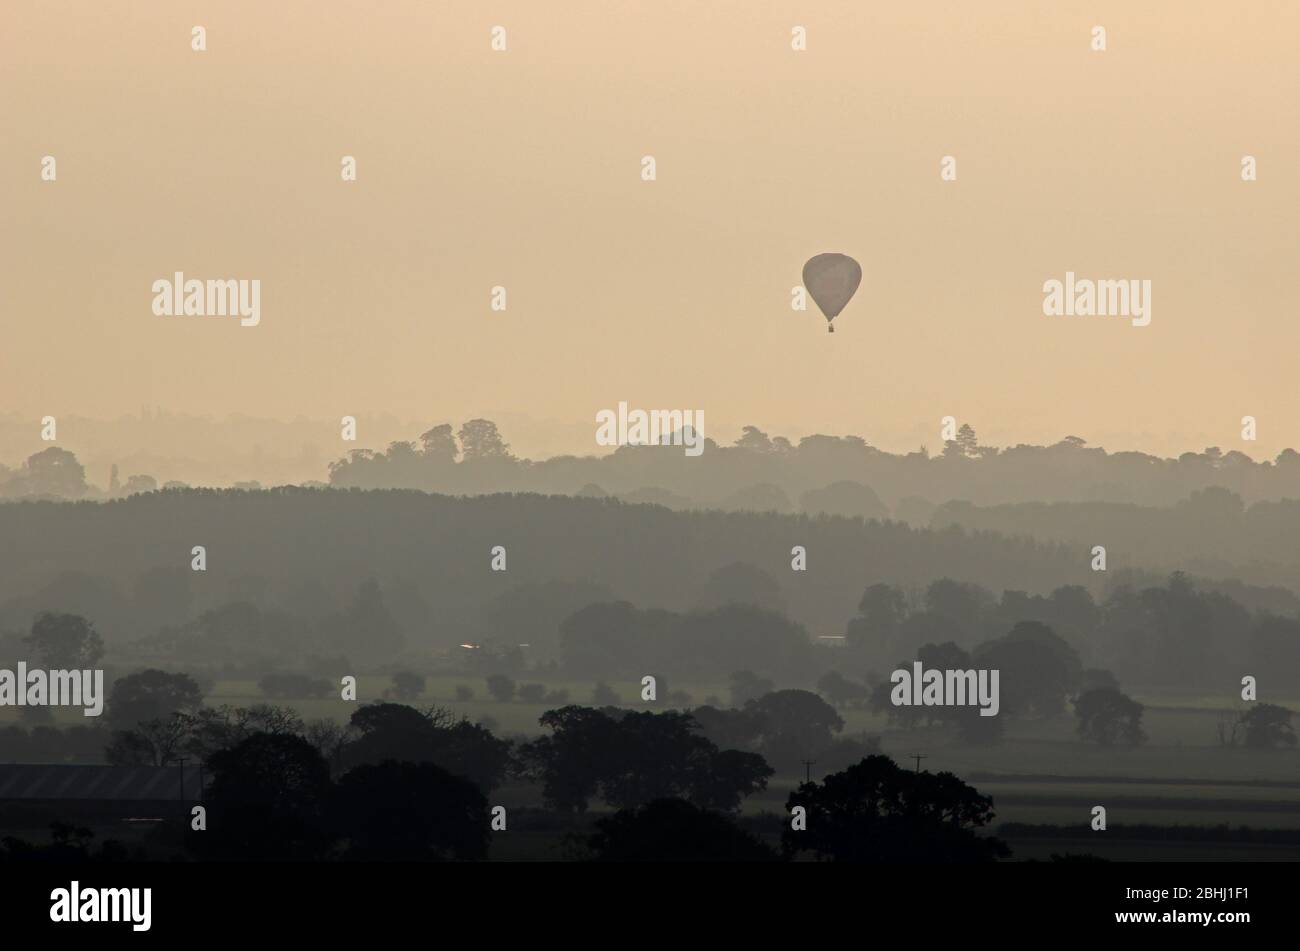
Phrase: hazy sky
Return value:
(522, 168)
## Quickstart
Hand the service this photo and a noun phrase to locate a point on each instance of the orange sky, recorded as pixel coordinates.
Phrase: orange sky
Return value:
(522, 168)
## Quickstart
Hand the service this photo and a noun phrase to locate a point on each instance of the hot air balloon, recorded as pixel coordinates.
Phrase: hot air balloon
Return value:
(831, 279)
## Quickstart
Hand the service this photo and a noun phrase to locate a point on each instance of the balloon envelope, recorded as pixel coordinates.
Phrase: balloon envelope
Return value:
(832, 280)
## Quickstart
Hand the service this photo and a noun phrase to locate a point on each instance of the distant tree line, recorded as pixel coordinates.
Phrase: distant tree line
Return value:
(306, 555)
(765, 472)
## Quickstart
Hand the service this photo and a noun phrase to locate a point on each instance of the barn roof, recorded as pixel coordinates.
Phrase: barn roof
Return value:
(97, 782)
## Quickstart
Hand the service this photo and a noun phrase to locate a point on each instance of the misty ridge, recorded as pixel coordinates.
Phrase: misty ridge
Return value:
(317, 578)
(1214, 514)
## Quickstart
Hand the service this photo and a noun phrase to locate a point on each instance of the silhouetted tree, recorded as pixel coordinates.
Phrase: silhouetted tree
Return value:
(268, 800)
(958, 606)
(439, 445)
(407, 685)
(1267, 726)
(139, 483)
(1108, 717)
(754, 439)
(730, 729)
(568, 762)
(479, 439)
(632, 758)
(881, 613)
(151, 695)
(65, 641)
(330, 738)
(1038, 669)
(53, 473)
(156, 742)
(387, 731)
(501, 687)
(967, 441)
(971, 727)
(722, 778)
(876, 812)
(796, 724)
(212, 729)
(673, 830)
(400, 811)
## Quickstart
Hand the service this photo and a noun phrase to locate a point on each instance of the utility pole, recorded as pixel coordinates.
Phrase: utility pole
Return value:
(181, 760)
(918, 757)
(807, 769)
